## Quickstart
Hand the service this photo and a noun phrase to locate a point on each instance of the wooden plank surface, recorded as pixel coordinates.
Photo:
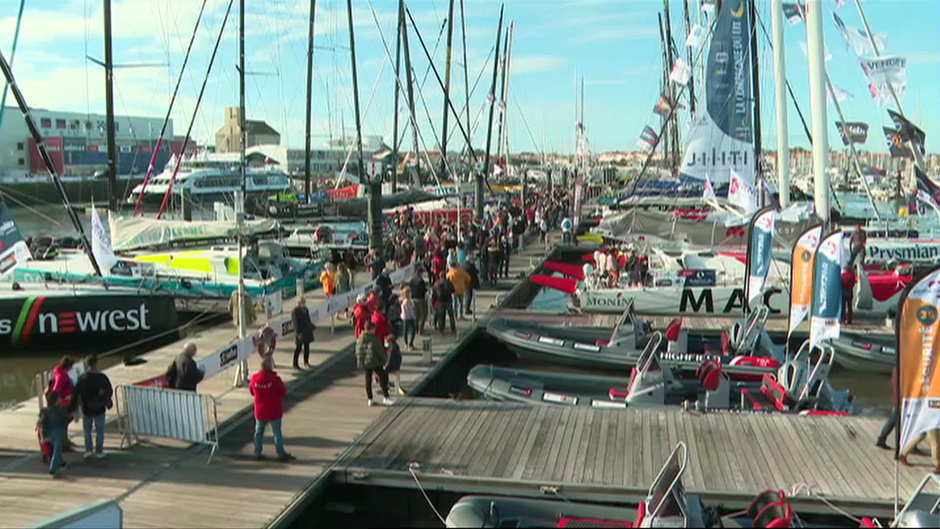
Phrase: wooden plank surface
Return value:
(740, 454)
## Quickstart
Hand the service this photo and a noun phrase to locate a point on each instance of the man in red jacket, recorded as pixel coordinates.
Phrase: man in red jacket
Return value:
(269, 390)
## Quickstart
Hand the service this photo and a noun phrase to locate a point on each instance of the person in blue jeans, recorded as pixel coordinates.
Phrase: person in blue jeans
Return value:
(93, 392)
(269, 391)
(53, 421)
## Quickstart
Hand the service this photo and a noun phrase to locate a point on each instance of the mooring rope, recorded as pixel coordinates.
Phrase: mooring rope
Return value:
(411, 469)
(796, 488)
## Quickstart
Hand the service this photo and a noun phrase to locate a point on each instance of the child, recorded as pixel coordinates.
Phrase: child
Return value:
(53, 420)
(393, 362)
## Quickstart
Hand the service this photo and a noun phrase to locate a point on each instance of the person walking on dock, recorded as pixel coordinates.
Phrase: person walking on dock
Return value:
(361, 314)
(382, 326)
(93, 392)
(63, 385)
(408, 317)
(474, 274)
(419, 293)
(933, 437)
(384, 282)
(442, 299)
(328, 280)
(269, 391)
(184, 374)
(892, 420)
(54, 419)
(370, 357)
(461, 281)
(393, 361)
(303, 332)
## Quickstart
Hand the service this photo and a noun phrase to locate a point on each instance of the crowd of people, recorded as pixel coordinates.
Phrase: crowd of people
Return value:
(612, 265)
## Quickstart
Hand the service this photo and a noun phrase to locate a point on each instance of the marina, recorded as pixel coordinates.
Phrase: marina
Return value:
(453, 305)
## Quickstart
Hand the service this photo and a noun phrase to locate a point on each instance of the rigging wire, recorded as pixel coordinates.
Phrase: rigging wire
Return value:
(202, 90)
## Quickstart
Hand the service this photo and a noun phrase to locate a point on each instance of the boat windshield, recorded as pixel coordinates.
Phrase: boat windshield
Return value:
(667, 494)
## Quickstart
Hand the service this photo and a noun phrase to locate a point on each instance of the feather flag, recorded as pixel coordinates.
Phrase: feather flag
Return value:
(826, 310)
(801, 276)
(760, 252)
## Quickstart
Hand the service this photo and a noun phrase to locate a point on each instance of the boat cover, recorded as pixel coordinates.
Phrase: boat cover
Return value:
(133, 233)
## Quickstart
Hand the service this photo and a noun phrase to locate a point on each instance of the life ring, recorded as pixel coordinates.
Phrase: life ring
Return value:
(265, 341)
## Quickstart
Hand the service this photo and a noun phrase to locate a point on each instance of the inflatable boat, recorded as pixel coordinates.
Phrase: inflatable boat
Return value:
(860, 352)
(801, 384)
(667, 504)
(747, 352)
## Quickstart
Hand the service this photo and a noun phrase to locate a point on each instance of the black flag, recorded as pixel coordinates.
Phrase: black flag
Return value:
(909, 132)
(853, 131)
(896, 145)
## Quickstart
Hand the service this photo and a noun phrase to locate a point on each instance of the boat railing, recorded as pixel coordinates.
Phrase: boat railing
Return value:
(753, 326)
(648, 356)
(668, 484)
(821, 370)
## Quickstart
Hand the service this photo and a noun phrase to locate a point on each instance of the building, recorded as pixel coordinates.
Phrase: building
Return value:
(77, 142)
(257, 133)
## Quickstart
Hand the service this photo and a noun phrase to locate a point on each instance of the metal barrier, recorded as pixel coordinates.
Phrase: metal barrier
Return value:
(169, 414)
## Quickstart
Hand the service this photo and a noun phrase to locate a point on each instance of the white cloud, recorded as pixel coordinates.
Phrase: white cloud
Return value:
(536, 63)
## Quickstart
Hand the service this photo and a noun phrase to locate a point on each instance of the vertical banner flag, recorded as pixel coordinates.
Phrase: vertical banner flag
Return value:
(721, 133)
(760, 251)
(101, 247)
(741, 193)
(13, 249)
(826, 311)
(919, 392)
(801, 276)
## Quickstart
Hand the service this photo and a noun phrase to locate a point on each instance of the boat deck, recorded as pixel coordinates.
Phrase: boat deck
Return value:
(590, 453)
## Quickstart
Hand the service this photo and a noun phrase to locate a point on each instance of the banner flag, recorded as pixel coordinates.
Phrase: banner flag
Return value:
(881, 93)
(663, 106)
(101, 247)
(840, 93)
(909, 131)
(826, 310)
(801, 276)
(896, 145)
(709, 193)
(741, 193)
(13, 249)
(917, 361)
(793, 12)
(858, 40)
(681, 72)
(649, 136)
(760, 252)
(853, 131)
(696, 36)
(885, 70)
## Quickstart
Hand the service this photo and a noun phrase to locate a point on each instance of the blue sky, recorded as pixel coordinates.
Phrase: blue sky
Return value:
(614, 44)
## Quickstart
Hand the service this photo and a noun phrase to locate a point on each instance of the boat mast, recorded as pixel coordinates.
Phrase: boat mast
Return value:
(666, 90)
(109, 108)
(755, 82)
(47, 160)
(450, 42)
(817, 83)
(501, 116)
(780, 85)
(466, 76)
(16, 39)
(915, 149)
(480, 177)
(671, 60)
(395, 142)
(506, 67)
(411, 94)
(242, 374)
(309, 116)
(375, 187)
(688, 52)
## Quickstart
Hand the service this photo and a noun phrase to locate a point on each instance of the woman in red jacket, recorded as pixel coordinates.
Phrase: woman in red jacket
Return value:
(382, 327)
(269, 390)
(361, 314)
(63, 385)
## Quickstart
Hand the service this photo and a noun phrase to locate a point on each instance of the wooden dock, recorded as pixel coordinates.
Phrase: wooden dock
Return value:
(586, 453)
(163, 483)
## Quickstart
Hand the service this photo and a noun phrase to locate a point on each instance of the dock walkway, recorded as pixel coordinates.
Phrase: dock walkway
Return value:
(162, 483)
(587, 453)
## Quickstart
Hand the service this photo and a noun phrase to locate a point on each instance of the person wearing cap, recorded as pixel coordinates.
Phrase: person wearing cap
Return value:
(361, 314)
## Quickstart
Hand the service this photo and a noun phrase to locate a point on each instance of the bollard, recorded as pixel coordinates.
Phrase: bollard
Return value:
(427, 352)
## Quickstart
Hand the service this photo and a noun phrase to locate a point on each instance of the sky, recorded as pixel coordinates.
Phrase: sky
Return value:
(613, 44)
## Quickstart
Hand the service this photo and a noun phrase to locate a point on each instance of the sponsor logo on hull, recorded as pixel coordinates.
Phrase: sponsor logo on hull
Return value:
(686, 301)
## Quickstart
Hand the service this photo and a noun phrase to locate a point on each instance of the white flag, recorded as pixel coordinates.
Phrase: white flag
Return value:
(681, 72)
(885, 70)
(742, 194)
(805, 47)
(101, 243)
(709, 193)
(696, 36)
(881, 93)
(841, 94)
